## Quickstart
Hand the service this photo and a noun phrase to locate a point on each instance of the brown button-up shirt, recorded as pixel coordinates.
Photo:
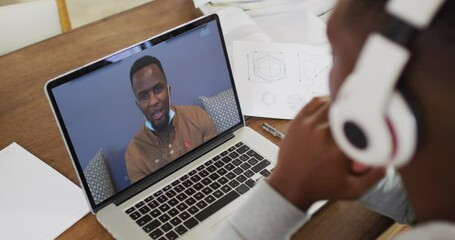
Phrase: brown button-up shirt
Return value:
(191, 126)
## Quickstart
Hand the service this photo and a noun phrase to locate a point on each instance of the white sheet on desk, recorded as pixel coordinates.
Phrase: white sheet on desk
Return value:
(265, 7)
(275, 80)
(320, 7)
(288, 95)
(36, 202)
(298, 25)
(237, 25)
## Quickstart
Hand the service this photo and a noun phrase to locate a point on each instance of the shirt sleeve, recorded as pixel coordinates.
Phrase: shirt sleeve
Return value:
(389, 198)
(265, 215)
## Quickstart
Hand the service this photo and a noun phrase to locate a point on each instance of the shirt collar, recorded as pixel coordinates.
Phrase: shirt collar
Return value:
(148, 124)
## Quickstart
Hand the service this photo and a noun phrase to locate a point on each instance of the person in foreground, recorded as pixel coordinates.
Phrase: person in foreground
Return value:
(312, 166)
(169, 131)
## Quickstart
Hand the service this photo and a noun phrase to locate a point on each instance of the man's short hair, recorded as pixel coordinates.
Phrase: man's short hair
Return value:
(144, 62)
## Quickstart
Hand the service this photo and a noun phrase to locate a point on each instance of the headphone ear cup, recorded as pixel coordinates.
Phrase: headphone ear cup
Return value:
(361, 132)
(365, 118)
(372, 139)
(403, 127)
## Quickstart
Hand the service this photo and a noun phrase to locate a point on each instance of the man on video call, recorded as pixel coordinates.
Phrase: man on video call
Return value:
(169, 131)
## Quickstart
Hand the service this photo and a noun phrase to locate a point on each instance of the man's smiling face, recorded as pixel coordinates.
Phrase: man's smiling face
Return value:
(152, 95)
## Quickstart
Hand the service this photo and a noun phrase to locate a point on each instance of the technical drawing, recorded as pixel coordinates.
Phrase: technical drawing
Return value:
(269, 99)
(266, 67)
(295, 102)
(314, 68)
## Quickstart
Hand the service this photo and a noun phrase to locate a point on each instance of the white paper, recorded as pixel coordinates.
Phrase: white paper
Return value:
(298, 25)
(275, 80)
(295, 25)
(237, 25)
(320, 7)
(256, 8)
(199, 3)
(36, 201)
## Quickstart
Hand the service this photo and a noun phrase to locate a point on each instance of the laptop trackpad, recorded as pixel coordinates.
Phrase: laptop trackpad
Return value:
(215, 225)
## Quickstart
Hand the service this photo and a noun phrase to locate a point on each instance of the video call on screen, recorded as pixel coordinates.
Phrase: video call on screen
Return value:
(99, 109)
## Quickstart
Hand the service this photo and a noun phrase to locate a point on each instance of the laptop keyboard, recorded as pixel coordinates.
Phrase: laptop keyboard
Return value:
(171, 211)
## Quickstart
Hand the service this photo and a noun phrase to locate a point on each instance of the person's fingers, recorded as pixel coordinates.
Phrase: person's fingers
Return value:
(321, 115)
(311, 107)
(299, 117)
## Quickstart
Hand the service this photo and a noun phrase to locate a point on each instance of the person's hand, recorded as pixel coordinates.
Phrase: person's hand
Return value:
(310, 165)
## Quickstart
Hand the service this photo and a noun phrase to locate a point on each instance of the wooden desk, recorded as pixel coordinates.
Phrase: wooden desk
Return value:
(26, 117)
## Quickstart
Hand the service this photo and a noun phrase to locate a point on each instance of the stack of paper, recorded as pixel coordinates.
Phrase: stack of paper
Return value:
(278, 50)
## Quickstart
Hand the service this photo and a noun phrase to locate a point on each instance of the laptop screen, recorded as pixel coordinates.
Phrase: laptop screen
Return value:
(134, 113)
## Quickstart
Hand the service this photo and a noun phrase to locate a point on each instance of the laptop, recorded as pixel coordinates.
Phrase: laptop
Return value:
(187, 198)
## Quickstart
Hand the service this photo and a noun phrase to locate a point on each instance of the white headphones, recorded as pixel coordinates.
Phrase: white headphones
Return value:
(369, 119)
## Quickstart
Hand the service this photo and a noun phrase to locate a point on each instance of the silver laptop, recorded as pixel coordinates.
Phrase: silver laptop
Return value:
(184, 197)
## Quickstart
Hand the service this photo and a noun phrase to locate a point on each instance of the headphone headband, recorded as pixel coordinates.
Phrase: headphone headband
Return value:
(417, 13)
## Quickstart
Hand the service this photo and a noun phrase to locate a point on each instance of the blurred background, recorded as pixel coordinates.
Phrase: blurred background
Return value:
(24, 22)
